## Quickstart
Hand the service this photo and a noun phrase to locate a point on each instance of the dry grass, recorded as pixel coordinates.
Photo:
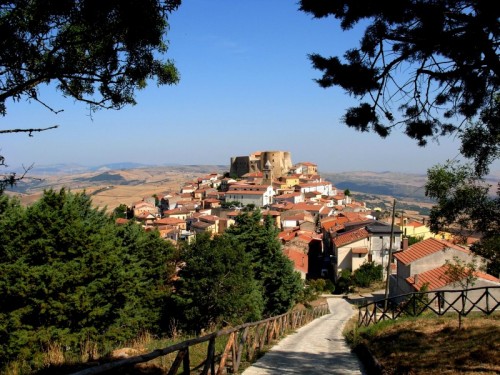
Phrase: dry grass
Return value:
(436, 346)
(137, 184)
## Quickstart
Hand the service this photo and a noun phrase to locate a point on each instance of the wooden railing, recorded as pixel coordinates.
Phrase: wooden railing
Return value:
(245, 341)
(483, 299)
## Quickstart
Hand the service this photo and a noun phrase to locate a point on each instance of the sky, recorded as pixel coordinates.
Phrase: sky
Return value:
(246, 85)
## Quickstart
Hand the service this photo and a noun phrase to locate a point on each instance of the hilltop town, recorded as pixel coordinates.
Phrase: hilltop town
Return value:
(323, 230)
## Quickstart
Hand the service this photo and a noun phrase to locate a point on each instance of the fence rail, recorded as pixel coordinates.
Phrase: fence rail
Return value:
(462, 302)
(243, 341)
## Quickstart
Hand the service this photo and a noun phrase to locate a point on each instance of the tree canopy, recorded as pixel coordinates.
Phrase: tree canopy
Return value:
(428, 66)
(216, 283)
(69, 274)
(432, 68)
(273, 270)
(96, 52)
(465, 207)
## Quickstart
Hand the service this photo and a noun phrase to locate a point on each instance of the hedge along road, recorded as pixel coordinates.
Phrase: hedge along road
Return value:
(317, 348)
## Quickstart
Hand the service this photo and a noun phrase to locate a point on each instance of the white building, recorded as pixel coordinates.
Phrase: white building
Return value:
(258, 195)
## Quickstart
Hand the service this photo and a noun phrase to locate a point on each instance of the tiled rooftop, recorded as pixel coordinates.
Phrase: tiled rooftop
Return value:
(437, 278)
(424, 248)
(349, 237)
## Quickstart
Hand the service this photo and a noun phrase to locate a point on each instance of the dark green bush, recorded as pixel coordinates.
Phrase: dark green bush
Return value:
(368, 273)
(344, 282)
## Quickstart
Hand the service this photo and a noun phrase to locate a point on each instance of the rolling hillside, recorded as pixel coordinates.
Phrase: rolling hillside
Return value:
(129, 183)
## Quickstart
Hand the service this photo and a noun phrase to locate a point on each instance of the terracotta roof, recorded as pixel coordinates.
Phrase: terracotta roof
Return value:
(307, 207)
(166, 231)
(209, 218)
(121, 221)
(176, 211)
(414, 224)
(210, 200)
(360, 250)
(293, 217)
(354, 216)
(305, 238)
(286, 235)
(143, 204)
(349, 237)
(145, 215)
(299, 259)
(245, 192)
(169, 221)
(271, 213)
(437, 278)
(424, 248)
(201, 225)
(334, 223)
(282, 206)
(287, 195)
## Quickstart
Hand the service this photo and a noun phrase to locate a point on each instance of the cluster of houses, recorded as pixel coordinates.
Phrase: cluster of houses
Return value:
(322, 230)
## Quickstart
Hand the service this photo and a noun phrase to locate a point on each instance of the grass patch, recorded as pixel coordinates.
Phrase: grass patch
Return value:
(433, 345)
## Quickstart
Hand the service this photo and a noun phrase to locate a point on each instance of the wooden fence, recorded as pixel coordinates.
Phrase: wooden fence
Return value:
(243, 342)
(484, 299)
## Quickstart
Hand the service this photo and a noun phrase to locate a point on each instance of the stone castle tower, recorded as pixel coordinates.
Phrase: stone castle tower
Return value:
(281, 163)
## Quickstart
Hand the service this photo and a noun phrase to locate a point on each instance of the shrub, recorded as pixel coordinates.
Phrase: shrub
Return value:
(368, 273)
(344, 282)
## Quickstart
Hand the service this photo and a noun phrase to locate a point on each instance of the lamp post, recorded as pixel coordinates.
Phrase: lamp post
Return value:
(390, 255)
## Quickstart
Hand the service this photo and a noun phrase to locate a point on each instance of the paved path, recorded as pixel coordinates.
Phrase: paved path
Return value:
(317, 348)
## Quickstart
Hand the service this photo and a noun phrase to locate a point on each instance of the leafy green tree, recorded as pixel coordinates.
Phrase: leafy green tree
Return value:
(437, 60)
(463, 274)
(121, 212)
(344, 282)
(273, 270)
(231, 204)
(465, 206)
(249, 207)
(95, 52)
(412, 240)
(68, 274)
(216, 283)
(367, 273)
(347, 192)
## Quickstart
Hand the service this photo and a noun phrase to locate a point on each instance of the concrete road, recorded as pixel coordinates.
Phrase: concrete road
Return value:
(317, 348)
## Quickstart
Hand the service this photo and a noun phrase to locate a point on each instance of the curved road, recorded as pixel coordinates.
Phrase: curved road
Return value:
(317, 348)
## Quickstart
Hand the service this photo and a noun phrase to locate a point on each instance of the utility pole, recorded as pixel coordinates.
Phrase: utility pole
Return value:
(390, 254)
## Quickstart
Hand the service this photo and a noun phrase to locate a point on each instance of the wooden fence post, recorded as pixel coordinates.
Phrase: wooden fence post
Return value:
(225, 354)
(243, 339)
(210, 361)
(177, 362)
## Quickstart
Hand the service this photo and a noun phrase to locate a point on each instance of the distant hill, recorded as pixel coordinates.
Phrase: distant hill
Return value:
(397, 185)
(110, 188)
(105, 177)
(126, 184)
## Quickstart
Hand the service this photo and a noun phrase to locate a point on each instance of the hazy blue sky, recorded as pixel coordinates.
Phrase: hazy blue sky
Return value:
(246, 85)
